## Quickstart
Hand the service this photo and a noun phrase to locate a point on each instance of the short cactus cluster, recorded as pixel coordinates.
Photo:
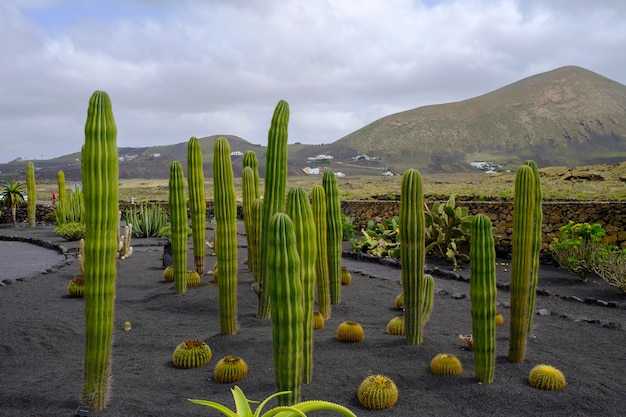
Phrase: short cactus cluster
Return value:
(446, 364)
(346, 277)
(377, 392)
(191, 354)
(350, 331)
(76, 287)
(318, 320)
(230, 369)
(547, 377)
(396, 326)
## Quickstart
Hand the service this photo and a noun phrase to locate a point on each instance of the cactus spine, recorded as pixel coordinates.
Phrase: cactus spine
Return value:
(412, 256)
(197, 202)
(225, 235)
(286, 305)
(334, 235)
(483, 296)
(534, 276)
(522, 242)
(318, 200)
(100, 181)
(178, 218)
(32, 194)
(301, 214)
(274, 193)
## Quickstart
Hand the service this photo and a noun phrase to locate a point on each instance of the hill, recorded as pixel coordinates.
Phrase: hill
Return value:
(569, 116)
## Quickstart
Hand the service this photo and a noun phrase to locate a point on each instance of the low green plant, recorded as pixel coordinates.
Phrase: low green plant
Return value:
(71, 231)
(578, 247)
(147, 221)
(166, 231)
(448, 231)
(348, 227)
(611, 266)
(242, 406)
(379, 239)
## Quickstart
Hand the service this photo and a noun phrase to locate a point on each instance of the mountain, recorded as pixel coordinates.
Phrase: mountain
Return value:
(569, 116)
(566, 117)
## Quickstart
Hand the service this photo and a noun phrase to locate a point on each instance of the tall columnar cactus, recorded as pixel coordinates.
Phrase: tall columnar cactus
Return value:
(225, 235)
(534, 277)
(286, 305)
(100, 185)
(301, 214)
(274, 193)
(412, 255)
(197, 202)
(60, 207)
(250, 160)
(179, 225)
(483, 296)
(32, 194)
(248, 197)
(522, 242)
(318, 200)
(256, 216)
(334, 232)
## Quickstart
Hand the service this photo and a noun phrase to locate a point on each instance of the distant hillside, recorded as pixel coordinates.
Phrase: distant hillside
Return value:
(566, 117)
(569, 116)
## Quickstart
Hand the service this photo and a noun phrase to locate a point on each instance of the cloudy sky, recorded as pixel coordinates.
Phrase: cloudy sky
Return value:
(181, 68)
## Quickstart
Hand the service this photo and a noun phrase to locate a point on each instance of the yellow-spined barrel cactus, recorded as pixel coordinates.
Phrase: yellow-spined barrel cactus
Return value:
(76, 287)
(350, 331)
(547, 377)
(399, 301)
(346, 277)
(499, 320)
(168, 274)
(446, 364)
(230, 369)
(318, 320)
(396, 326)
(193, 278)
(191, 354)
(378, 392)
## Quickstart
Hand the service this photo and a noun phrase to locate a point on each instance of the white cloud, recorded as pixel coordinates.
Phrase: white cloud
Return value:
(176, 69)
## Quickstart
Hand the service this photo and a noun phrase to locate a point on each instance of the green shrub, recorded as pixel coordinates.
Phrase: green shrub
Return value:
(166, 231)
(348, 227)
(611, 266)
(71, 231)
(147, 221)
(578, 247)
(380, 239)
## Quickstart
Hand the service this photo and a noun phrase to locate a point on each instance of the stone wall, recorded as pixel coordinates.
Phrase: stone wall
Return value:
(611, 215)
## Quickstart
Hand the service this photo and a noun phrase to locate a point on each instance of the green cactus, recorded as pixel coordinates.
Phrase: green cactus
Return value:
(483, 296)
(225, 235)
(412, 254)
(547, 377)
(274, 193)
(248, 196)
(285, 290)
(250, 160)
(256, 215)
(446, 364)
(534, 276)
(301, 214)
(59, 208)
(32, 194)
(178, 218)
(334, 231)
(377, 392)
(192, 353)
(522, 242)
(318, 201)
(229, 369)
(350, 332)
(197, 202)
(100, 184)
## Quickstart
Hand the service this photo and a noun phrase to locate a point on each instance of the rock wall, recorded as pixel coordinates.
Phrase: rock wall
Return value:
(610, 215)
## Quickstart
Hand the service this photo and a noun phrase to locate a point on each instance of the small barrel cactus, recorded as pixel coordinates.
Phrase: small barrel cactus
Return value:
(193, 278)
(499, 320)
(547, 377)
(377, 392)
(346, 277)
(446, 364)
(318, 320)
(168, 274)
(350, 331)
(230, 369)
(127, 326)
(399, 302)
(396, 326)
(191, 354)
(76, 287)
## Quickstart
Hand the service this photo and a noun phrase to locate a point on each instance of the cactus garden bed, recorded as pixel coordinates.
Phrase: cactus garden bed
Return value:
(579, 329)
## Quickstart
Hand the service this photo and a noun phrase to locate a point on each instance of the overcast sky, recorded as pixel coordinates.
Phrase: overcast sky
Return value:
(181, 68)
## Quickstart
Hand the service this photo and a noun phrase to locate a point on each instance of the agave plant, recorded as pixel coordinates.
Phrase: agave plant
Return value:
(242, 407)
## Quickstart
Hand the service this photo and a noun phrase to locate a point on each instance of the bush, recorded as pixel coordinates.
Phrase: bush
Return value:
(71, 231)
(348, 227)
(148, 221)
(578, 247)
(611, 266)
